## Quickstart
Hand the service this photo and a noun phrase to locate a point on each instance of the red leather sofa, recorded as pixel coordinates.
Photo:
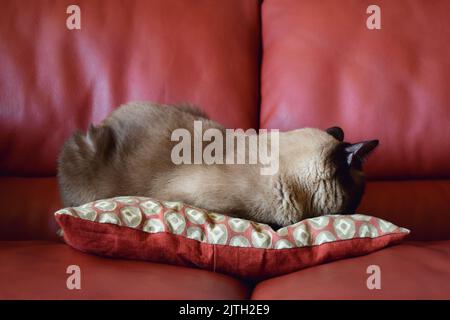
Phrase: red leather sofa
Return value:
(273, 64)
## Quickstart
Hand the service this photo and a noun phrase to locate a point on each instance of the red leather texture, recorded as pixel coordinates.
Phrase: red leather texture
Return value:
(322, 67)
(313, 63)
(408, 271)
(421, 206)
(37, 270)
(30, 206)
(54, 80)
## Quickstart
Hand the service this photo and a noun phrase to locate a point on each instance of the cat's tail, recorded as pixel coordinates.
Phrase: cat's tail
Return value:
(81, 161)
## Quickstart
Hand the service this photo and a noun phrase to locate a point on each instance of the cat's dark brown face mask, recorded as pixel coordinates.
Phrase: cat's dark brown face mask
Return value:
(348, 159)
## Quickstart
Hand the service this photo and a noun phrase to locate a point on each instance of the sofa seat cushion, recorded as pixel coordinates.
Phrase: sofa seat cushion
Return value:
(412, 270)
(37, 270)
(419, 205)
(30, 206)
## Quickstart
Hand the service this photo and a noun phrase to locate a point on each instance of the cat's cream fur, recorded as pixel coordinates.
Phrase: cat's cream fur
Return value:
(129, 154)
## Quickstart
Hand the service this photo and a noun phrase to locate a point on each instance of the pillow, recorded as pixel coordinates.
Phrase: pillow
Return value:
(177, 233)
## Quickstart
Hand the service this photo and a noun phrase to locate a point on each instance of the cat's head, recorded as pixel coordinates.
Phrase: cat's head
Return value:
(321, 172)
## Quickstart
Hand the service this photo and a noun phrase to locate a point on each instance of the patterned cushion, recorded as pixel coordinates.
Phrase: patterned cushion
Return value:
(173, 232)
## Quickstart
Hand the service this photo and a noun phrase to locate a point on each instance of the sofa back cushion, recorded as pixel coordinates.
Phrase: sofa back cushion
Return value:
(54, 80)
(322, 67)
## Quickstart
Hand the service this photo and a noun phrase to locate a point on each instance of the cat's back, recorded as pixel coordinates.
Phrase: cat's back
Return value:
(140, 124)
(147, 116)
(124, 152)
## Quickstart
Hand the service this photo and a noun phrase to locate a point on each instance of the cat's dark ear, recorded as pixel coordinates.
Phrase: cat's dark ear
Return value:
(359, 151)
(336, 132)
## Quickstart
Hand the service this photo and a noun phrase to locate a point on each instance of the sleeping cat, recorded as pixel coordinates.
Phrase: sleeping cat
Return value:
(129, 153)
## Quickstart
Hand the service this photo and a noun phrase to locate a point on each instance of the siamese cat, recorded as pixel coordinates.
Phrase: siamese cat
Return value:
(129, 153)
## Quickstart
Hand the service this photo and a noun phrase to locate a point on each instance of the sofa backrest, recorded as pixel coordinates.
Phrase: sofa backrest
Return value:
(313, 63)
(54, 81)
(322, 67)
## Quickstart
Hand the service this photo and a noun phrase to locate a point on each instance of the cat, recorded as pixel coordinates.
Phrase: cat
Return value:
(129, 153)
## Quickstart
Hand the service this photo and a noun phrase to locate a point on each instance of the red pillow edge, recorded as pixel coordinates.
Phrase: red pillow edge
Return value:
(114, 241)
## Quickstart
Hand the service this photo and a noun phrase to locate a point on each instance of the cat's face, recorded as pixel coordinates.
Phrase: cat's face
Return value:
(322, 172)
